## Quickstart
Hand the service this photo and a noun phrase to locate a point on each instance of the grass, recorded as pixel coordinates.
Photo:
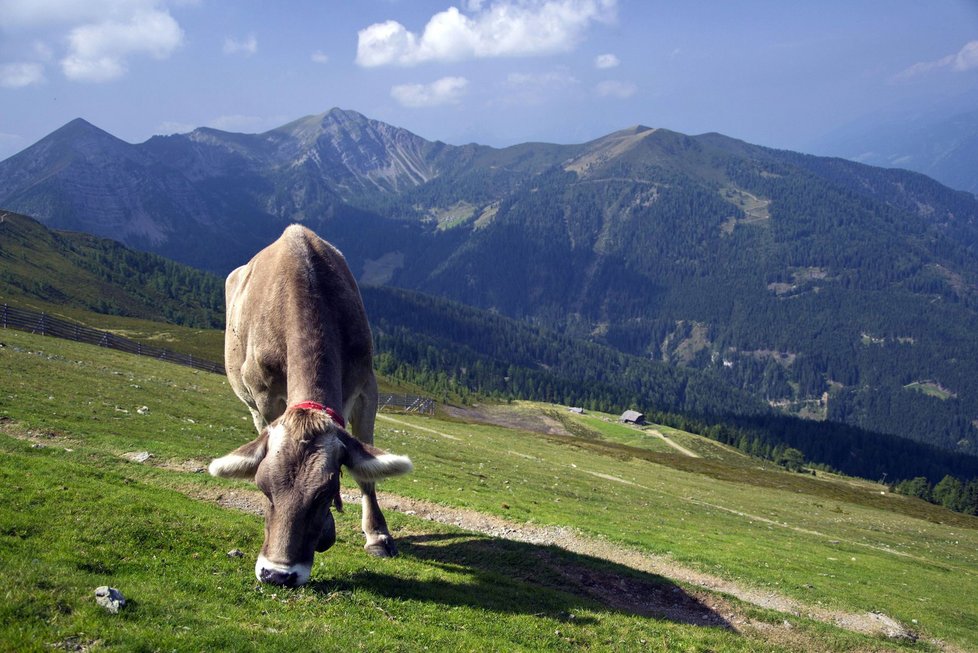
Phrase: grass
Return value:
(207, 344)
(931, 389)
(77, 515)
(605, 426)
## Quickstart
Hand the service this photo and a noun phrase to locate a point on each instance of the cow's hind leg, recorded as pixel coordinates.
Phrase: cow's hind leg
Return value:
(379, 540)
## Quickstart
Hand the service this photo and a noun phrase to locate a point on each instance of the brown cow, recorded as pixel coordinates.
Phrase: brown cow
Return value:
(298, 352)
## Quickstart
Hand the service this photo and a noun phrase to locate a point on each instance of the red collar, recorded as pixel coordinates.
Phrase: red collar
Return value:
(315, 405)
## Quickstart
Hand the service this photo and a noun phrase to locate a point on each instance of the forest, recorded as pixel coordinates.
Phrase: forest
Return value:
(452, 349)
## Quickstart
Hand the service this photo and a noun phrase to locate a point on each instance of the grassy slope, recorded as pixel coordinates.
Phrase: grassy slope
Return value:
(79, 516)
(207, 344)
(40, 269)
(79, 271)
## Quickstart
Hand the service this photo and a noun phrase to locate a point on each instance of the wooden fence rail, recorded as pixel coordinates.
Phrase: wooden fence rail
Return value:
(407, 403)
(21, 319)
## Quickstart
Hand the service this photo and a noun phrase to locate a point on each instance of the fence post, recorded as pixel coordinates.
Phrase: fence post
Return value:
(4, 316)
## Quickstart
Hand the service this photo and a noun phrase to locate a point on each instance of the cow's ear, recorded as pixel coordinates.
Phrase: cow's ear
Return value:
(367, 463)
(243, 461)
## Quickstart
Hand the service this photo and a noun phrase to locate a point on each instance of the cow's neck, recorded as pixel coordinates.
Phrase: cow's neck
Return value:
(313, 374)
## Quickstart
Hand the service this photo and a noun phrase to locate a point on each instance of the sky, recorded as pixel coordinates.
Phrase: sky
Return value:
(496, 72)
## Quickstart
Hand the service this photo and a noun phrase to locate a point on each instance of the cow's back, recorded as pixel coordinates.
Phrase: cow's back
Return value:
(295, 326)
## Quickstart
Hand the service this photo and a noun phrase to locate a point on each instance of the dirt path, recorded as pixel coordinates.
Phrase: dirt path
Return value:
(675, 445)
(571, 540)
(707, 588)
(393, 420)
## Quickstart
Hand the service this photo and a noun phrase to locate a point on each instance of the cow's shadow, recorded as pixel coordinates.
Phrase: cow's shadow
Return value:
(517, 577)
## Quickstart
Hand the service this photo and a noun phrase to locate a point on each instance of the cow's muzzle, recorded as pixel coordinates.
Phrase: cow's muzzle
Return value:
(274, 577)
(279, 574)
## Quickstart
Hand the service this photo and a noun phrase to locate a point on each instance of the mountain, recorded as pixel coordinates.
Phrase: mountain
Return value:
(944, 147)
(823, 287)
(84, 179)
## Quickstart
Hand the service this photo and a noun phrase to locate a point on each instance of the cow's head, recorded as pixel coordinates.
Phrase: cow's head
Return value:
(296, 464)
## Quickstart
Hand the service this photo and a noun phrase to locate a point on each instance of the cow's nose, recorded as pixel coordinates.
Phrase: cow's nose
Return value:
(278, 577)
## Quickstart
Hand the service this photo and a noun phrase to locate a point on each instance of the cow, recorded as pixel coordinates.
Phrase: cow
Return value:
(298, 353)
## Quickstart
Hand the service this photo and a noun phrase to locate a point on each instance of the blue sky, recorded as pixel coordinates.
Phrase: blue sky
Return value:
(494, 72)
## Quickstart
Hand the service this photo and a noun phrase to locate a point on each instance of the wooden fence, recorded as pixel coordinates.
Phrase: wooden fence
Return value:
(21, 319)
(407, 403)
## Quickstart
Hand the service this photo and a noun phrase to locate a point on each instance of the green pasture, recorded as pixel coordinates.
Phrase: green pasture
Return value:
(76, 514)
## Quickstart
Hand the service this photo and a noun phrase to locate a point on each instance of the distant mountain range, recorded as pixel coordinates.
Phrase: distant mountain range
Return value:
(944, 147)
(821, 286)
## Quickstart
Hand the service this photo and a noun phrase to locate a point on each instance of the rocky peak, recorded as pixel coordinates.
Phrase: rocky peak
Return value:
(354, 151)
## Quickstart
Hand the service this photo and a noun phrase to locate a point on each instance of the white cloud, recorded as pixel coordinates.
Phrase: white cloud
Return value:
(21, 74)
(98, 52)
(966, 58)
(506, 28)
(319, 57)
(100, 35)
(963, 60)
(606, 61)
(35, 13)
(447, 90)
(247, 46)
(615, 89)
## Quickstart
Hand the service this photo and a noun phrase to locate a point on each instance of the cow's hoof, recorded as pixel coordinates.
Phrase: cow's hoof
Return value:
(383, 547)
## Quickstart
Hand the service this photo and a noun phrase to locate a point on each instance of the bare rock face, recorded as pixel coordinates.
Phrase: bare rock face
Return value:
(110, 598)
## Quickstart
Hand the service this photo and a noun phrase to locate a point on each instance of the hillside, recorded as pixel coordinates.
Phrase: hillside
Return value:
(79, 271)
(446, 346)
(453, 351)
(597, 540)
(825, 288)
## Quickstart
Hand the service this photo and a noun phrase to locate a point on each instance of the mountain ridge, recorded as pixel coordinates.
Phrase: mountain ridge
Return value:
(823, 286)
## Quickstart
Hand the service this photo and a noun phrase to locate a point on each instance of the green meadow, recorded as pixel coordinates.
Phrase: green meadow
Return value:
(77, 514)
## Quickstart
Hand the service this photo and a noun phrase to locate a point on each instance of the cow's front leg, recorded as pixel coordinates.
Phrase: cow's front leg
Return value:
(379, 540)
